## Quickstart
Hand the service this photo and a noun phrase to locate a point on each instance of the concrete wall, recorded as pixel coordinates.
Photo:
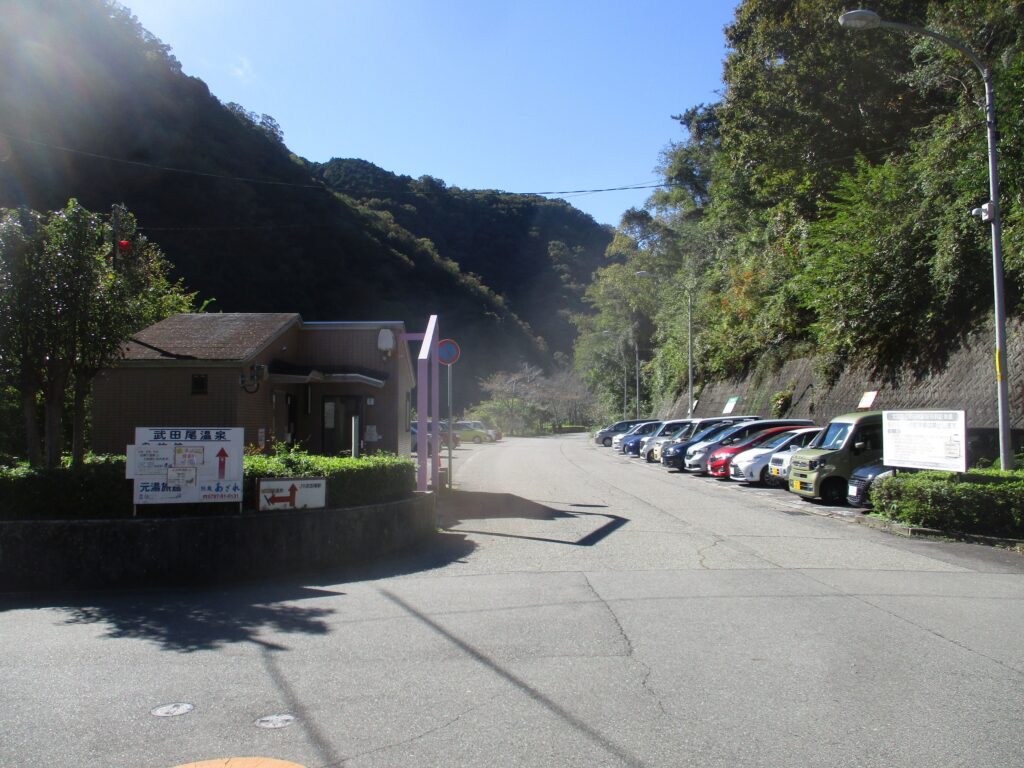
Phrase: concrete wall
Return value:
(63, 554)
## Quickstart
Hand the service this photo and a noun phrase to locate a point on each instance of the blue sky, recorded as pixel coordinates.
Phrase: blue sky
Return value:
(523, 96)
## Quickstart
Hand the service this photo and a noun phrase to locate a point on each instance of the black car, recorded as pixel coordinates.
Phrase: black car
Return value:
(859, 487)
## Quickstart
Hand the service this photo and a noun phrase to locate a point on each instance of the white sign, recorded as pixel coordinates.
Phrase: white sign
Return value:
(293, 493)
(868, 398)
(730, 404)
(925, 440)
(178, 465)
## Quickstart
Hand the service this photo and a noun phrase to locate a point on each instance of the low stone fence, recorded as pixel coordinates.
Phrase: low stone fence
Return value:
(76, 554)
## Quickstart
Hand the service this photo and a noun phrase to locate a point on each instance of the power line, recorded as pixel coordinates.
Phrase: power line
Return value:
(168, 169)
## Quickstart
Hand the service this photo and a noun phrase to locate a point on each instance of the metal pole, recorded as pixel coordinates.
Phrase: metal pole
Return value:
(1002, 387)
(451, 426)
(636, 348)
(689, 354)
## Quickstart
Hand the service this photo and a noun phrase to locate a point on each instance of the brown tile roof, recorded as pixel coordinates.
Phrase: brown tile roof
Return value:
(223, 336)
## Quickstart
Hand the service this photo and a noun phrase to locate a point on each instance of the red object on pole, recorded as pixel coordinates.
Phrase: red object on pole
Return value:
(124, 245)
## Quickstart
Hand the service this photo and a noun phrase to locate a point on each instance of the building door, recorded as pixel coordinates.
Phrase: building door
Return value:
(336, 418)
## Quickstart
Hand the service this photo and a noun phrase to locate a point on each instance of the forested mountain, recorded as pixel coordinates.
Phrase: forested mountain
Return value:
(94, 107)
(822, 207)
(539, 254)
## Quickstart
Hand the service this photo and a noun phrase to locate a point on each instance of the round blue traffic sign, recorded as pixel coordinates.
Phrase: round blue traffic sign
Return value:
(448, 351)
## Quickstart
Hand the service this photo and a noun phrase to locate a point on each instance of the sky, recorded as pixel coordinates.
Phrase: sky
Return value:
(530, 96)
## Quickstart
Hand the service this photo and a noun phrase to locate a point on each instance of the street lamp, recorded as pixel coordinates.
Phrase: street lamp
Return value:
(689, 344)
(989, 212)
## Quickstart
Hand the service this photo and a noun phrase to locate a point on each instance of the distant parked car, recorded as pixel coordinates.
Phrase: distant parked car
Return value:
(414, 431)
(752, 465)
(697, 454)
(674, 456)
(469, 433)
(662, 434)
(643, 428)
(605, 435)
(479, 425)
(858, 492)
(720, 459)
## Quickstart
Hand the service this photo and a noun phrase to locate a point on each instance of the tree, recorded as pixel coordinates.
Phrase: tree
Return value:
(73, 292)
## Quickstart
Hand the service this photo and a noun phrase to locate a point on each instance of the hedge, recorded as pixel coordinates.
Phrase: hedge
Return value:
(98, 490)
(983, 502)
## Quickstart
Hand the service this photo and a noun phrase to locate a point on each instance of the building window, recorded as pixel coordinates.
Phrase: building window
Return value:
(199, 384)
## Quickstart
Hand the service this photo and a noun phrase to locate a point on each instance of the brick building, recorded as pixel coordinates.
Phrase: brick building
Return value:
(282, 379)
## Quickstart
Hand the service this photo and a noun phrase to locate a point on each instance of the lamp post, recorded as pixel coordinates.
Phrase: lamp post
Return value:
(989, 212)
(689, 343)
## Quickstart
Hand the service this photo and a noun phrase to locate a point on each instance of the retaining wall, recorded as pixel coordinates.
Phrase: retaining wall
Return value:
(74, 554)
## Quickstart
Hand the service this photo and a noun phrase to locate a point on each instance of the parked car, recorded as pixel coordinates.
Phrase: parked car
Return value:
(697, 454)
(858, 489)
(414, 432)
(605, 435)
(643, 428)
(720, 459)
(663, 434)
(469, 433)
(673, 456)
(752, 465)
(823, 469)
(778, 464)
(479, 425)
(695, 427)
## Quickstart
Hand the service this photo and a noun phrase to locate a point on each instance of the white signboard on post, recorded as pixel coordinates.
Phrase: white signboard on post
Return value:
(925, 440)
(179, 465)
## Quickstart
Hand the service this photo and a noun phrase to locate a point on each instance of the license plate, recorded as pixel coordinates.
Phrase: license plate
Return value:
(774, 471)
(851, 489)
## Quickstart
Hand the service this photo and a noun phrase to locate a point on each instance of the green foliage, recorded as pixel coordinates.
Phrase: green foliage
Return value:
(984, 502)
(822, 205)
(95, 490)
(350, 482)
(98, 489)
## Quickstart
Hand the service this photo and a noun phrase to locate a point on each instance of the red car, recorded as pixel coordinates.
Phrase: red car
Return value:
(718, 462)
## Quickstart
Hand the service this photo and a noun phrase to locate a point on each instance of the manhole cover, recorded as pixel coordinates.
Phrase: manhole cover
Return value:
(171, 710)
(275, 721)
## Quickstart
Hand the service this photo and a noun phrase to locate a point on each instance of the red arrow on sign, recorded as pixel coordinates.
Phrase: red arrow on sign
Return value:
(222, 457)
(290, 498)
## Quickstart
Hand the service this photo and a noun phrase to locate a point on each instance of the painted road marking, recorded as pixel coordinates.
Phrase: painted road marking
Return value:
(242, 762)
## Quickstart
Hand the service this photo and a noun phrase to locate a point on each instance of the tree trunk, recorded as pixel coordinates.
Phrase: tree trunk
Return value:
(78, 422)
(52, 423)
(33, 444)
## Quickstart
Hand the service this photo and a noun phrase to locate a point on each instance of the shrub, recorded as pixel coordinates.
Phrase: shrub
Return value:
(99, 490)
(985, 502)
(95, 490)
(350, 482)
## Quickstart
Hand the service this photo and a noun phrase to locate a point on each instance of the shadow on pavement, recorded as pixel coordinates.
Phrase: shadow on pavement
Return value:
(458, 506)
(187, 619)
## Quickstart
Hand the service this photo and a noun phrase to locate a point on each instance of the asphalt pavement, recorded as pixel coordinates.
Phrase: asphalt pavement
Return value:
(577, 608)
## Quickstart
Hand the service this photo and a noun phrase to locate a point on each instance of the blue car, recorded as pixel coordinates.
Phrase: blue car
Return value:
(674, 456)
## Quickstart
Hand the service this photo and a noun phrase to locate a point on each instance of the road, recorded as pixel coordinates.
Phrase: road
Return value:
(578, 609)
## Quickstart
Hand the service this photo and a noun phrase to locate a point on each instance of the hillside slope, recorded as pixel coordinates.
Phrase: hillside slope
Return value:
(94, 107)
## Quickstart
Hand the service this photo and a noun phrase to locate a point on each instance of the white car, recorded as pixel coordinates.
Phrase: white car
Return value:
(642, 428)
(778, 465)
(752, 466)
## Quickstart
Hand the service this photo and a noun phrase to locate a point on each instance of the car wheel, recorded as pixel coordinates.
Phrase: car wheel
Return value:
(834, 491)
(650, 457)
(607, 442)
(477, 440)
(767, 479)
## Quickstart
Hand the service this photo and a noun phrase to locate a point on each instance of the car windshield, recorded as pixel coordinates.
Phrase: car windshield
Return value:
(832, 437)
(770, 439)
(711, 432)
